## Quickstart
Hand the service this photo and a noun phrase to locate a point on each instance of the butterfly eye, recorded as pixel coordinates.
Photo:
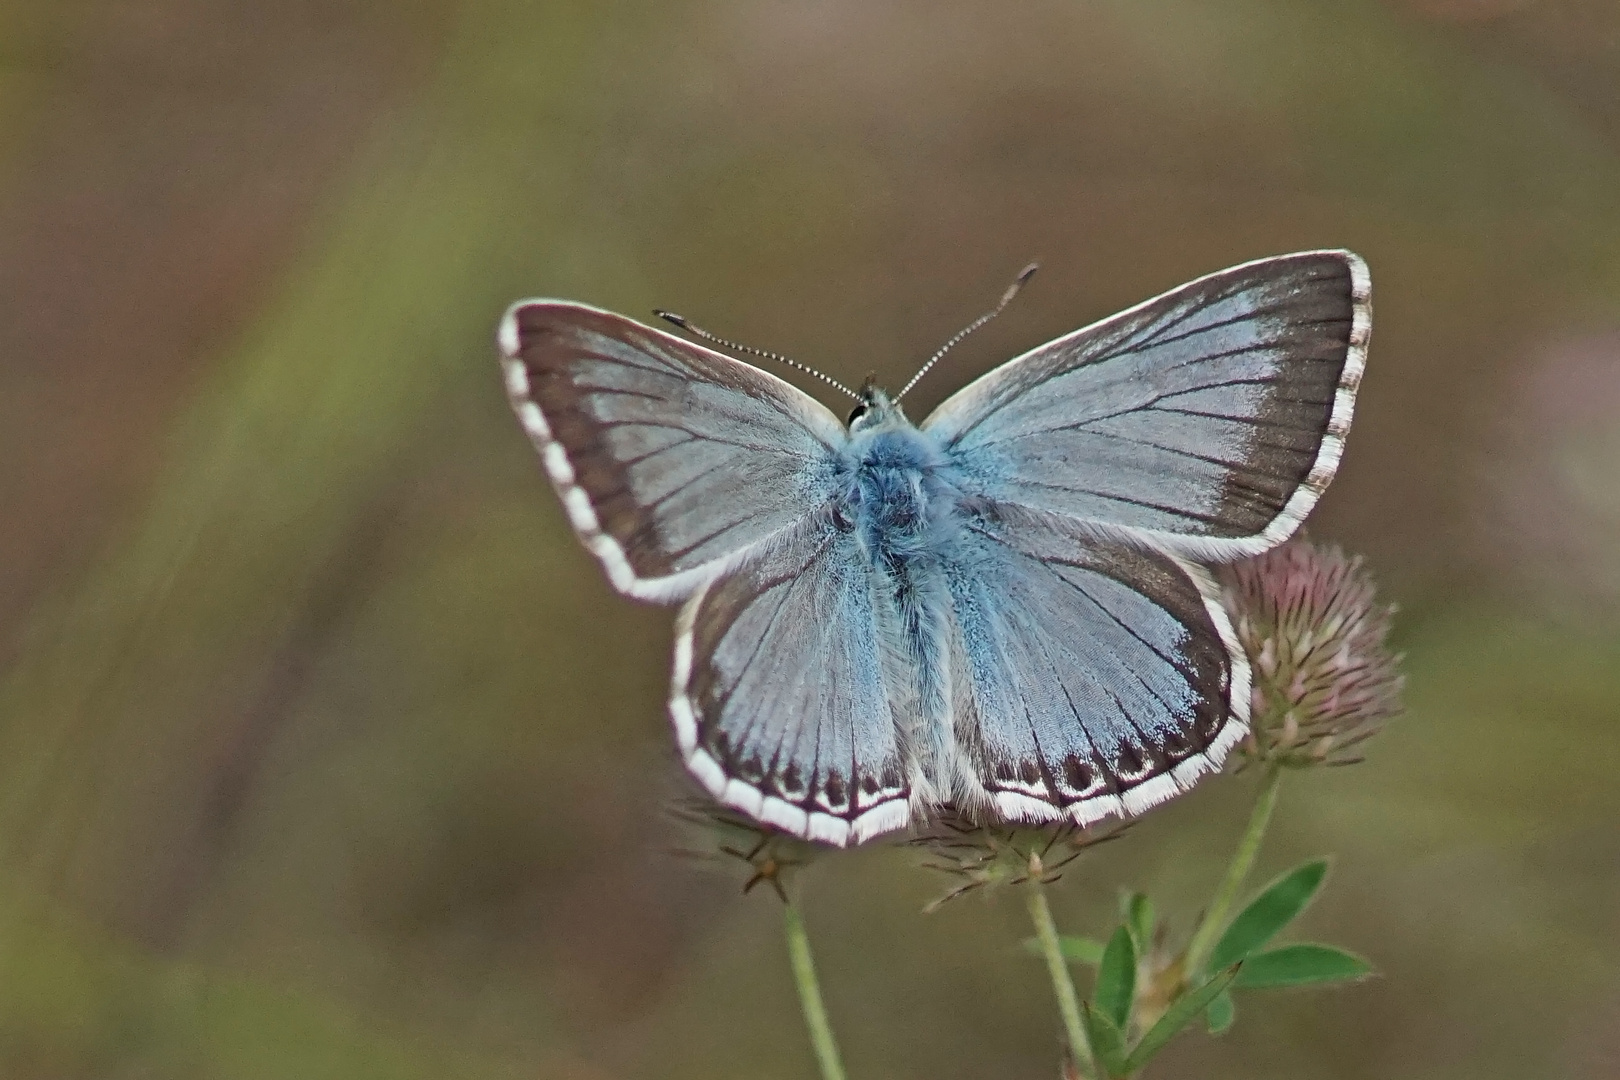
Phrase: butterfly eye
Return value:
(857, 412)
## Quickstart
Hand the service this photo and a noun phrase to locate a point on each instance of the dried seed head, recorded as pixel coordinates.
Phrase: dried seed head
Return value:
(984, 855)
(1323, 679)
(721, 835)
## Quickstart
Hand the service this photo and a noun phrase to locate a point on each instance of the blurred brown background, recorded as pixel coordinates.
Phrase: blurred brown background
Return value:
(325, 752)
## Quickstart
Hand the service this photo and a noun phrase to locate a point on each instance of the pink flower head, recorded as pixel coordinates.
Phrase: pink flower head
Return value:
(1323, 680)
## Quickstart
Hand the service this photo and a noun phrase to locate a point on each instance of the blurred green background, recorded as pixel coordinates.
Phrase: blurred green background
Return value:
(326, 752)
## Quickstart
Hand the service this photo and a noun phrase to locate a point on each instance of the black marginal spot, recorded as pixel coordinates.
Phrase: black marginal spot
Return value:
(791, 782)
(837, 793)
(1076, 773)
(1051, 663)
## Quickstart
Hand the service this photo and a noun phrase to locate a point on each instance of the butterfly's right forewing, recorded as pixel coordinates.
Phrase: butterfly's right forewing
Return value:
(671, 459)
(1208, 420)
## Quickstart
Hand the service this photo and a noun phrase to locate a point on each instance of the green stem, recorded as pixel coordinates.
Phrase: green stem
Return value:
(1214, 923)
(815, 1013)
(1062, 985)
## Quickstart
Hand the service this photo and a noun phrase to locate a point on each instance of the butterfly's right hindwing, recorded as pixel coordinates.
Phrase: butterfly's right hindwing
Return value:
(1104, 677)
(780, 698)
(670, 458)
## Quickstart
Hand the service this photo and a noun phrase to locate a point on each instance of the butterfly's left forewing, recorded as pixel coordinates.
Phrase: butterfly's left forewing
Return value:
(671, 459)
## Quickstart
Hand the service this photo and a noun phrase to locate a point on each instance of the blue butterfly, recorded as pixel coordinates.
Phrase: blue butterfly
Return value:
(1002, 610)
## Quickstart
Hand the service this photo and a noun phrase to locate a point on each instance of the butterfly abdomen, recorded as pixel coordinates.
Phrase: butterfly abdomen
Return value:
(903, 496)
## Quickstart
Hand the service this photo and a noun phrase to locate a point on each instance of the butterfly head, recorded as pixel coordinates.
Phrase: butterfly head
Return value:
(874, 409)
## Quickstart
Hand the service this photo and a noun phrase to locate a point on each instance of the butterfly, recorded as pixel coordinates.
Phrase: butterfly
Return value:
(1005, 609)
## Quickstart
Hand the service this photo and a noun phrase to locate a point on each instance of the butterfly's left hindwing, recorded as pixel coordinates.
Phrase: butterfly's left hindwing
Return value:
(779, 694)
(1104, 678)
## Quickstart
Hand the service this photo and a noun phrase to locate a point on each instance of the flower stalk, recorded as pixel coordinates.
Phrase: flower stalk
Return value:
(1040, 913)
(1237, 872)
(809, 987)
(771, 857)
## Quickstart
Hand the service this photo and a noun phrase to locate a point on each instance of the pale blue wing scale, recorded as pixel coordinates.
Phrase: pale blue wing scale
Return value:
(1102, 679)
(670, 458)
(779, 696)
(1209, 419)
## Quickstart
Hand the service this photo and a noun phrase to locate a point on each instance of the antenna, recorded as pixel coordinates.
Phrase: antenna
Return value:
(680, 321)
(1006, 298)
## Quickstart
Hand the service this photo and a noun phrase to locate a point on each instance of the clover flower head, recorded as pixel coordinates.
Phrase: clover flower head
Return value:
(1323, 679)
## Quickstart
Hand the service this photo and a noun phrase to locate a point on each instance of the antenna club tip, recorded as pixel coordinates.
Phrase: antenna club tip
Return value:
(1018, 283)
(671, 317)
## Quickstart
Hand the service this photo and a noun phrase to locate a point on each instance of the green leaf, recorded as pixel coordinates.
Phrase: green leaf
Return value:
(1180, 1013)
(1076, 950)
(1107, 1041)
(1116, 979)
(1221, 1012)
(1137, 911)
(1276, 906)
(1081, 950)
(1300, 965)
